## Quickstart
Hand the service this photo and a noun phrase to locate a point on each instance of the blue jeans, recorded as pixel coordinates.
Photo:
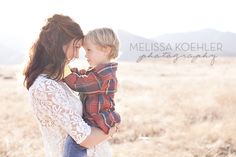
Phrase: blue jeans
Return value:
(72, 149)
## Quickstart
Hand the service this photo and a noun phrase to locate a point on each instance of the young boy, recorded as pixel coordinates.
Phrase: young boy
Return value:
(97, 85)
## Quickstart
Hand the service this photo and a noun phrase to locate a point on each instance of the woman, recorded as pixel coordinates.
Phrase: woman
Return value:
(56, 107)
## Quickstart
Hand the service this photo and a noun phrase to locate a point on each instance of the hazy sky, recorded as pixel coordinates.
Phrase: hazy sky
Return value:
(21, 20)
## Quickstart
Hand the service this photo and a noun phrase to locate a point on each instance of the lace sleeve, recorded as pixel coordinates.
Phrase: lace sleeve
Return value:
(54, 101)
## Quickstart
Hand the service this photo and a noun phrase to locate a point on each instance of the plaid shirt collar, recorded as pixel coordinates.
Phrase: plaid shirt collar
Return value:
(104, 69)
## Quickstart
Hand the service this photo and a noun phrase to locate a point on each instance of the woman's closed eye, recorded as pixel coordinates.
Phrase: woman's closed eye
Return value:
(77, 48)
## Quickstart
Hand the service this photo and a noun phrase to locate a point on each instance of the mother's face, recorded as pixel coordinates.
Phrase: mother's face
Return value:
(72, 49)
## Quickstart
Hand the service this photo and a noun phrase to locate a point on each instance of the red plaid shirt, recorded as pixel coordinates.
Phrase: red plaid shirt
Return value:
(97, 85)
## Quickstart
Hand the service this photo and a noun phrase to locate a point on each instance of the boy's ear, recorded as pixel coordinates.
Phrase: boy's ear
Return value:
(107, 50)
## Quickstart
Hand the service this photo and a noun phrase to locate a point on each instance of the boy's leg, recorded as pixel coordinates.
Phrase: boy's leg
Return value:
(72, 149)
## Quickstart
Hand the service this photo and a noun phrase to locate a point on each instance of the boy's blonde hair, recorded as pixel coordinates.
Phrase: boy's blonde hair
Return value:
(104, 37)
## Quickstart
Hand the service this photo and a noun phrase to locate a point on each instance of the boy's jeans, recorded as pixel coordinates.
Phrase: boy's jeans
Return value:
(72, 149)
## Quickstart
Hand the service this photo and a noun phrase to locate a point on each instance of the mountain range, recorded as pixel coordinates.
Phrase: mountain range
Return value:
(132, 46)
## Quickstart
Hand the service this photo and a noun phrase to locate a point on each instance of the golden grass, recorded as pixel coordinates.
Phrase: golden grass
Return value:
(181, 110)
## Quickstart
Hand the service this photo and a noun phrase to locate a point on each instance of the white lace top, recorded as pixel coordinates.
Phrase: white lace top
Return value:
(59, 111)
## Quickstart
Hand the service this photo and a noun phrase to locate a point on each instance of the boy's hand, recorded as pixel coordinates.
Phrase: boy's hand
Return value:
(79, 72)
(74, 70)
(82, 72)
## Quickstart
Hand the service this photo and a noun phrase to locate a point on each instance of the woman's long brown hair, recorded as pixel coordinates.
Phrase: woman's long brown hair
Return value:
(47, 55)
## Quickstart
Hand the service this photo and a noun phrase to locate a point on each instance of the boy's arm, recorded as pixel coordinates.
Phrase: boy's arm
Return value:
(87, 84)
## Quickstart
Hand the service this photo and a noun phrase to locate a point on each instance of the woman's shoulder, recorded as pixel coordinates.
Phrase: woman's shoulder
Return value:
(44, 83)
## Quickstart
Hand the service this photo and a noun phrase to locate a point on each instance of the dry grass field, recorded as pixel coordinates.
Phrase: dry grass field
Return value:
(167, 109)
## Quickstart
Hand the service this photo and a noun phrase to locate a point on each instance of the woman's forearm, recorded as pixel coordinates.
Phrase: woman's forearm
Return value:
(96, 136)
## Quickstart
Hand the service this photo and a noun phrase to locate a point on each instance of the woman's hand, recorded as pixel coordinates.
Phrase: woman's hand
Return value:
(114, 129)
(97, 136)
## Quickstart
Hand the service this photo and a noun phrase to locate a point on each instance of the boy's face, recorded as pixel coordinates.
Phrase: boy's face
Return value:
(95, 55)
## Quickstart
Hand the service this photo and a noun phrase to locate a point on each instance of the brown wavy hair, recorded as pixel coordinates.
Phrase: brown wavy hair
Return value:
(47, 54)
